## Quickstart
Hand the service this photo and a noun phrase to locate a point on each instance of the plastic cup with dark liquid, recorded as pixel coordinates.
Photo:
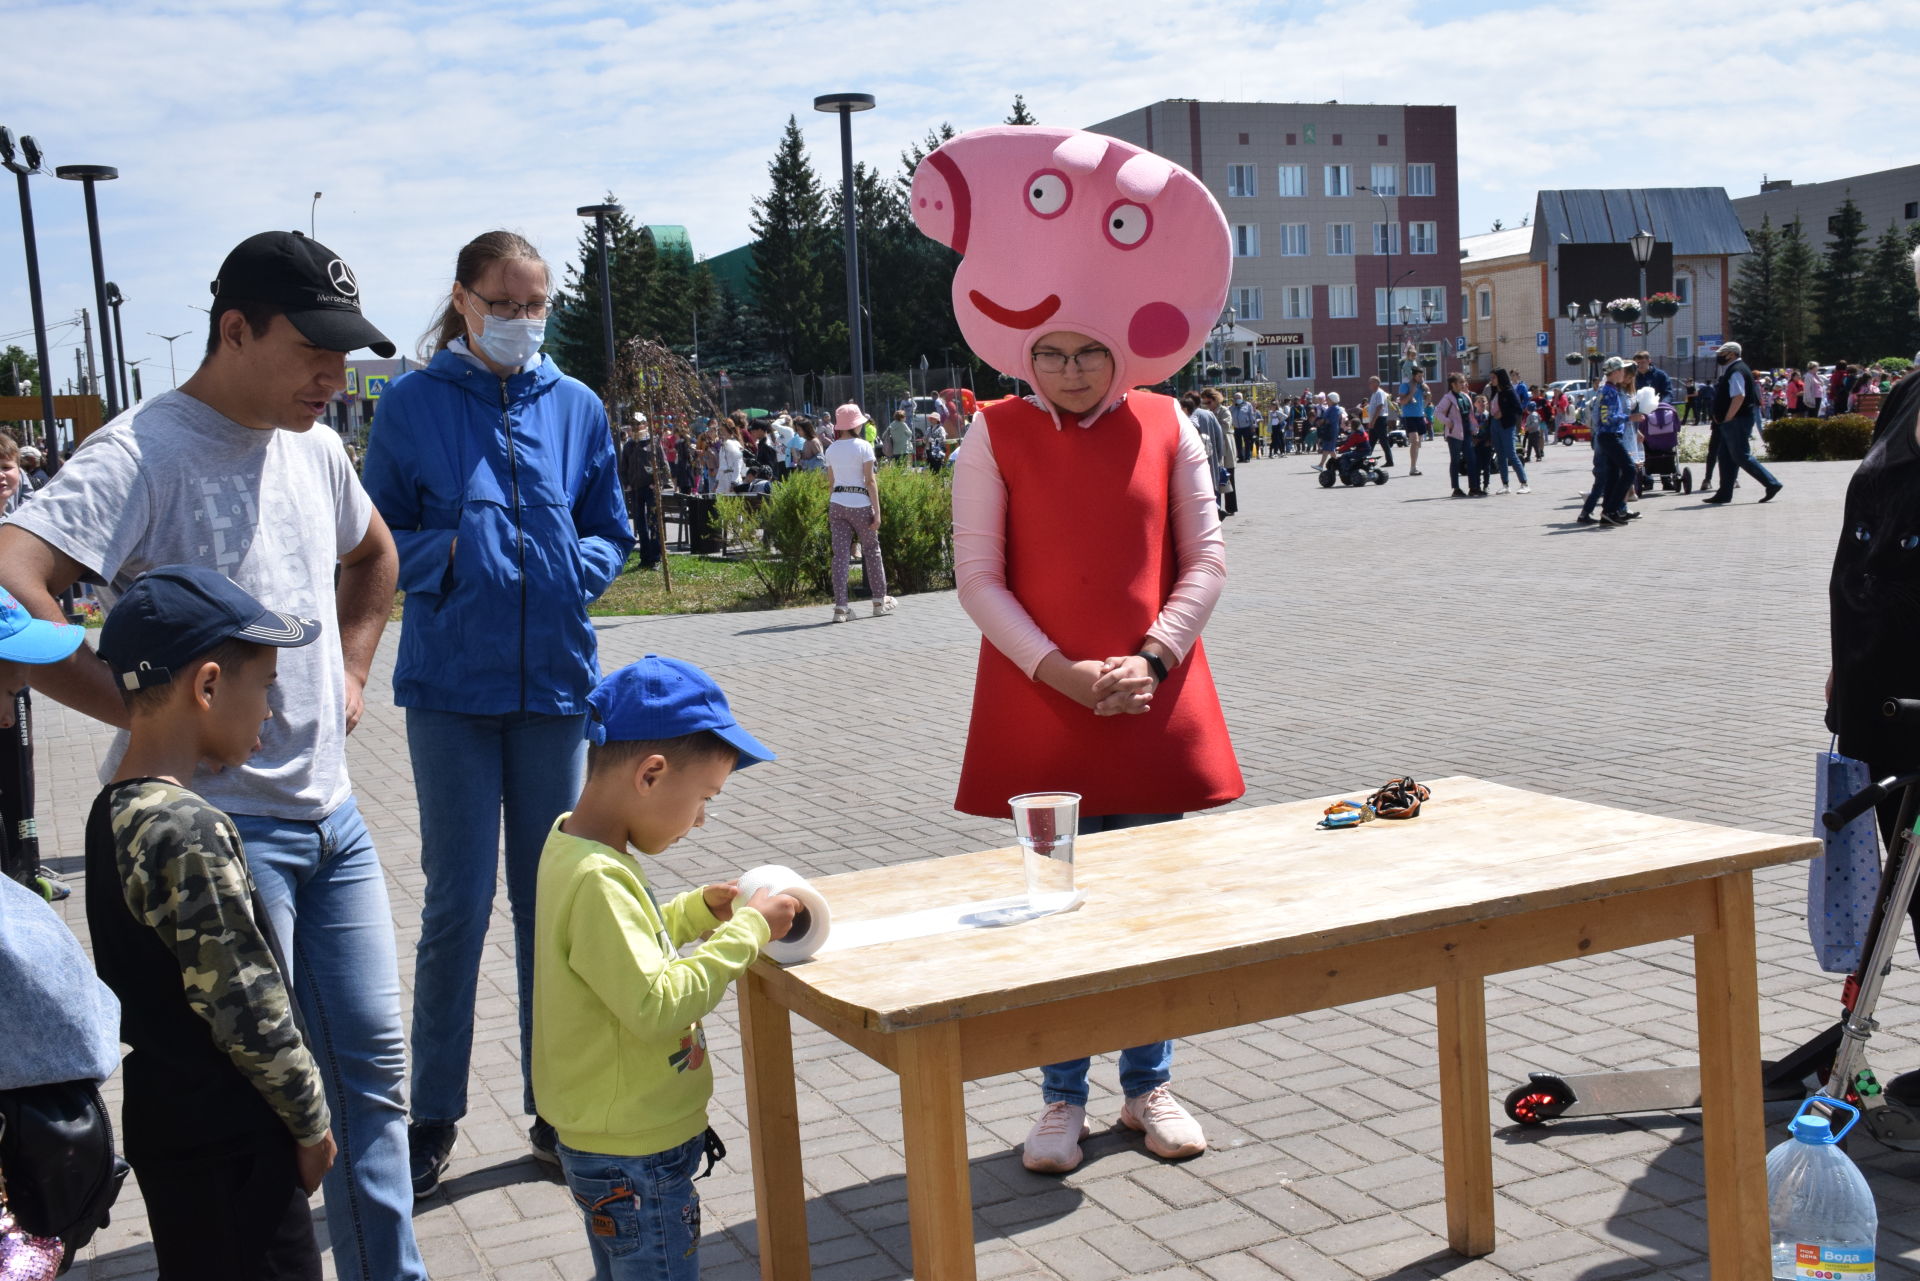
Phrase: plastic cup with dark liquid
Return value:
(1044, 824)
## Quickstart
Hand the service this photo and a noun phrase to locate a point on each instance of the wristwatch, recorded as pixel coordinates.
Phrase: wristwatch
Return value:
(1155, 662)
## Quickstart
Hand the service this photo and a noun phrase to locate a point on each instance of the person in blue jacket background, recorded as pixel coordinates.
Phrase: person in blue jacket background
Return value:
(498, 476)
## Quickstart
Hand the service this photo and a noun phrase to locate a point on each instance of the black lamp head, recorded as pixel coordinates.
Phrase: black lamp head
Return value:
(87, 173)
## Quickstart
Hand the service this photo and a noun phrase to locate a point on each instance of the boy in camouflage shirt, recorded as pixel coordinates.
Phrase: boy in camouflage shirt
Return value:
(225, 1123)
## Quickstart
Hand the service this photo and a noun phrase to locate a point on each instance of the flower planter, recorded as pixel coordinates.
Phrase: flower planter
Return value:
(1663, 310)
(1624, 315)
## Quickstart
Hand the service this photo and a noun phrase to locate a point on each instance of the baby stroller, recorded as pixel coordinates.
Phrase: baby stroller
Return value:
(1353, 465)
(1663, 443)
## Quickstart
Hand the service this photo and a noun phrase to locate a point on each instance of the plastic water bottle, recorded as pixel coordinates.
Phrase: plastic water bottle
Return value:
(1822, 1212)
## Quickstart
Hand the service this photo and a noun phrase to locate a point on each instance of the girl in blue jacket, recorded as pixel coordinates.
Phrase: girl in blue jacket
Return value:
(498, 476)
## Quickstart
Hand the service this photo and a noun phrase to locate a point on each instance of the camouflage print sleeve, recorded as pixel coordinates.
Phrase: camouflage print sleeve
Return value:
(180, 861)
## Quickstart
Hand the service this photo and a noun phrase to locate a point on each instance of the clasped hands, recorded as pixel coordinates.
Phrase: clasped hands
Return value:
(1119, 686)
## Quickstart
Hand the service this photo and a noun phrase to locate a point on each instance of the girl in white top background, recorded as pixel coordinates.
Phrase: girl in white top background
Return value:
(853, 511)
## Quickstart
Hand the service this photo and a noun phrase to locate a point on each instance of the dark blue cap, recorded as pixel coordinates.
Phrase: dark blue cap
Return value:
(174, 614)
(658, 698)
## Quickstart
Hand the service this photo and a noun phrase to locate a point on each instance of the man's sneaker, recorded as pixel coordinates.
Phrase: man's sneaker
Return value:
(1053, 1144)
(881, 608)
(1504, 491)
(1525, 490)
(1171, 1131)
(1614, 519)
(1716, 500)
(1584, 519)
(544, 1142)
(430, 1148)
(1771, 491)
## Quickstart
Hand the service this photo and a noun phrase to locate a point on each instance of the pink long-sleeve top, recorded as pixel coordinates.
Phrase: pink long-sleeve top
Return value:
(980, 552)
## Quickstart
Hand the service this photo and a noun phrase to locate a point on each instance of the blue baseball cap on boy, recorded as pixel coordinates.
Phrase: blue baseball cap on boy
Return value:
(172, 615)
(26, 639)
(658, 698)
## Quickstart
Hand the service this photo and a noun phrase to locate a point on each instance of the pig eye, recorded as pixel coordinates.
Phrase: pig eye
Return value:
(1127, 224)
(1048, 193)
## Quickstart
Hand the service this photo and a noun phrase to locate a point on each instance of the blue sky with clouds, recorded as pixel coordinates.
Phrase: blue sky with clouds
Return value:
(425, 124)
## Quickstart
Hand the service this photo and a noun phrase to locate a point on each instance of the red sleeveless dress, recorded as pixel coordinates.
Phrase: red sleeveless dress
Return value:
(1090, 556)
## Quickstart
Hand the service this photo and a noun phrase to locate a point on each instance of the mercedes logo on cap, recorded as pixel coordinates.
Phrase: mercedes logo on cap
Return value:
(342, 277)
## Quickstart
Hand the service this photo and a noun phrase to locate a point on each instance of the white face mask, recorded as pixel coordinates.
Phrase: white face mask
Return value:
(512, 343)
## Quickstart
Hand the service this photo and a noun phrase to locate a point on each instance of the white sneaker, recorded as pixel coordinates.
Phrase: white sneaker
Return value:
(1053, 1144)
(1504, 491)
(883, 607)
(1525, 490)
(1171, 1131)
(842, 614)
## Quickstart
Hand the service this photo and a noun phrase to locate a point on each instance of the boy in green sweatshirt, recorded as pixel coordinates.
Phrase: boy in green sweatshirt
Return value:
(619, 1058)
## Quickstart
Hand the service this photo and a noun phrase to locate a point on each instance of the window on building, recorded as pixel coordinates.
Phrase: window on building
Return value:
(1340, 239)
(1246, 302)
(1486, 304)
(1246, 240)
(1293, 240)
(1299, 362)
(1386, 237)
(1343, 301)
(1682, 345)
(1291, 180)
(1386, 180)
(1388, 367)
(1339, 180)
(1683, 289)
(1259, 369)
(1417, 299)
(1423, 237)
(1241, 180)
(1419, 180)
(1346, 360)
(1913, 209)
(1296, 302)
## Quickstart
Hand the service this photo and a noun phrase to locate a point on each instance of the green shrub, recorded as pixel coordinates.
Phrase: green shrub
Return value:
(1845, 436)
(1792, 440)
(916, 529)
(1894, 364)
(786, 541)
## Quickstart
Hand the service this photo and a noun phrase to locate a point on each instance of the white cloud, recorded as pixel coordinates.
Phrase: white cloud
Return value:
(426, 124)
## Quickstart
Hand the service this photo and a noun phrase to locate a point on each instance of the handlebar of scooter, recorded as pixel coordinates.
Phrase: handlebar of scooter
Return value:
(1859, 803)
(1902, 711)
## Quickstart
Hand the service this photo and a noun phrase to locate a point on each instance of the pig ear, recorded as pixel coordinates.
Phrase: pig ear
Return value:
(1080, 153)
(1143, 177)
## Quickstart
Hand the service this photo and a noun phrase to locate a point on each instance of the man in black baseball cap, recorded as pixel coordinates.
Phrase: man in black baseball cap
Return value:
(311, 285)
(230, 473)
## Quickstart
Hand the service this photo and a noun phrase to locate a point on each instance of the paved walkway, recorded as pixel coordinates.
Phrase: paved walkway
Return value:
(1675, 665)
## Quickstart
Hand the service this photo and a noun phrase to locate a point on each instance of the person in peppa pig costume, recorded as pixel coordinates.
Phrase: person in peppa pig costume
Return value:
(1087, 546)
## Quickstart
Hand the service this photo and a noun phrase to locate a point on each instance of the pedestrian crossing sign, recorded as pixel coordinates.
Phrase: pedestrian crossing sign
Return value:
(373, 386)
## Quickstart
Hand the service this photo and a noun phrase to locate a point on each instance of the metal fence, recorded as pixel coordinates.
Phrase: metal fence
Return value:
(818, 394)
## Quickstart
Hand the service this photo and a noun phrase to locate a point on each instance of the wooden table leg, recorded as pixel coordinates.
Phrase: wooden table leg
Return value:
(1733, 1125)
(1466, 1127)
(939, 1190)
(773, 1133)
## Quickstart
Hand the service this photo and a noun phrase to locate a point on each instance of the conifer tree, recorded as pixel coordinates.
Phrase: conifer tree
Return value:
(1755, 305)
(1841, 295)
(574, 333)
(789, 240)
(1794, 318)
(1020, 114)
(1894, 302)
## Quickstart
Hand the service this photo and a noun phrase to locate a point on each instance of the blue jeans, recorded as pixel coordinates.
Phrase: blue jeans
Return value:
(641, 1212)
(468, 771)
(1733, 442)
(1461, 462)
(322, 886)
(1503, 453)
(1143, 1068)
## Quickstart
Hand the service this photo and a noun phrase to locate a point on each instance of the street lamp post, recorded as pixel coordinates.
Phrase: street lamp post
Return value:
(311, 209)
(169, 339)
(600, 214)
(28, 162)
(87, 176)
(114, 299)
(844, 105)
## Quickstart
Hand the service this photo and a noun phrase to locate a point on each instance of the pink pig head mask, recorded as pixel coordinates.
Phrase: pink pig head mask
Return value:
(1058, 229)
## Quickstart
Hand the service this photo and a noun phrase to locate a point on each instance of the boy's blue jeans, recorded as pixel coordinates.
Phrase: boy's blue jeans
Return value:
(323, 888)
(469, 772)
(641, 1212)
(1144, 1068)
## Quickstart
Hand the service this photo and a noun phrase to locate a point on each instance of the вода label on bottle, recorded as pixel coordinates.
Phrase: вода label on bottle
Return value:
(1833, 1263)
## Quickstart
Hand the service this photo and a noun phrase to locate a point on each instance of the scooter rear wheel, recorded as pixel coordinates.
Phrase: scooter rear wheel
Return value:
(1536, 1103)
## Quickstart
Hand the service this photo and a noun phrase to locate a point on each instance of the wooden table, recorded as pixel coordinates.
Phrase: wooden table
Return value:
(1253, 914)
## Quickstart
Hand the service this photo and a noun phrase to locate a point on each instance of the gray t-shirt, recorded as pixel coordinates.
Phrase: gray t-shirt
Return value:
(172, 482)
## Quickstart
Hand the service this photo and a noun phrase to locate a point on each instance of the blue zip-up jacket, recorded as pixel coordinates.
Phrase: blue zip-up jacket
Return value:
(504, 499)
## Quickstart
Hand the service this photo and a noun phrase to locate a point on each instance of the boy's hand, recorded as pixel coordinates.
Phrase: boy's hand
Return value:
(314, 1160)
(779, 909)
(719, 899)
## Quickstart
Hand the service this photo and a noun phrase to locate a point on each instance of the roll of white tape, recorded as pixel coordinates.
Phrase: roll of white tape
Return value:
(810, 926)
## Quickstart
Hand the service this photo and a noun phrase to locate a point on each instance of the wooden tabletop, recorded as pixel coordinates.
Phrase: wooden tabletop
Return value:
(1245, 886)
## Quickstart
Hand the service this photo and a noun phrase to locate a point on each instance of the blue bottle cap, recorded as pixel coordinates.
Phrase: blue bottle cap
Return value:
(1809, 1128)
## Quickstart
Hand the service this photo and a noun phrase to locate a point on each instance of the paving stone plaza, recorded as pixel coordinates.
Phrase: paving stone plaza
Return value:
(1673, 666)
